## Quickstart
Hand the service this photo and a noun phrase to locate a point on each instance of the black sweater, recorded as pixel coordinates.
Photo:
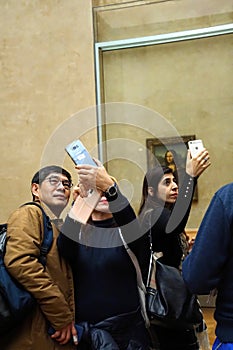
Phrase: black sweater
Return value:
(104, 275)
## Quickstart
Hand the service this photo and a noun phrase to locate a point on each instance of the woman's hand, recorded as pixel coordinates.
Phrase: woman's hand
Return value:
(197, 165)
(91, 177)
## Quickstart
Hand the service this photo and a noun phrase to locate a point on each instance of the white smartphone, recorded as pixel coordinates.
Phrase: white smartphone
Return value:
(79, 154)
(195, 146)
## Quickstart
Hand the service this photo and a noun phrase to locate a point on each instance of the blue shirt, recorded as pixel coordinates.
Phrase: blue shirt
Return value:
(210, 263)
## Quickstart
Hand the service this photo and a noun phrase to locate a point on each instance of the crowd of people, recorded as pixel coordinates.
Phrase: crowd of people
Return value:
(90, 282)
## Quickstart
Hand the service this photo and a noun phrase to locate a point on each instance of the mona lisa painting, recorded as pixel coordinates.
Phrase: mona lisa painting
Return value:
(170, 152)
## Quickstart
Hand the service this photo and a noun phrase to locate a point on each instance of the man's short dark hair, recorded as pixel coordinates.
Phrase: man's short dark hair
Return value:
(41, 175)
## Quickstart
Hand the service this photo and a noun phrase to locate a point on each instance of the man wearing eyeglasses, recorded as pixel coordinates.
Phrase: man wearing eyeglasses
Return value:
(51, 286)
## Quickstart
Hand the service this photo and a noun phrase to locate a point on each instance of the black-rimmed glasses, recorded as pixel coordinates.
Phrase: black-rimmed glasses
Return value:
(55, 181)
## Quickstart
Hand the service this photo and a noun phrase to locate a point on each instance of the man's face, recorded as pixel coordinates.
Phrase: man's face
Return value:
(54, 191)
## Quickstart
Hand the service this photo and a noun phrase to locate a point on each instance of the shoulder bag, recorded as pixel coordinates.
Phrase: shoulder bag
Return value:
(168, 300)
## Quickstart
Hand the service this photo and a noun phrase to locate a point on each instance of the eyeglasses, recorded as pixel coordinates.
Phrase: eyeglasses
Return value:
(55, 181)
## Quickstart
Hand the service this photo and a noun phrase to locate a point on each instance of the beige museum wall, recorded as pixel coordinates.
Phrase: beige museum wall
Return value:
(188, 83)
(121, 19)
(47, 76)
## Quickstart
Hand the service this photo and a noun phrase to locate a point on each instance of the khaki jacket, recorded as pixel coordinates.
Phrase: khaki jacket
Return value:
(52, 287)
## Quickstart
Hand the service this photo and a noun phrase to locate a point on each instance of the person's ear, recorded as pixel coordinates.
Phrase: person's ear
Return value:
(35, 190)
(151, 191)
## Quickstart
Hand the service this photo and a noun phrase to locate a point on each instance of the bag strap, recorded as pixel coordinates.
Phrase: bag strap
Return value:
(151, 264)
(48, 235)
(140, 283)
(3, 229)
(135, 262)
(153, 257)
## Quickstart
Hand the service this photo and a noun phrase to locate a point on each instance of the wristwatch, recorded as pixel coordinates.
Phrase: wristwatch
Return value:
(111, 192)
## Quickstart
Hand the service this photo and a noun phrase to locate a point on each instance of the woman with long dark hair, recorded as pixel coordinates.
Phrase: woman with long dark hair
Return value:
(164, 211)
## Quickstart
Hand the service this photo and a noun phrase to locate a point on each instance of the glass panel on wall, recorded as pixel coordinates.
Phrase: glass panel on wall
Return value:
(172, 90)
(188, 83)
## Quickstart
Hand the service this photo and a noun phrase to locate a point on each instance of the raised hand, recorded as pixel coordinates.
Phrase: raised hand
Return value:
(197, 165)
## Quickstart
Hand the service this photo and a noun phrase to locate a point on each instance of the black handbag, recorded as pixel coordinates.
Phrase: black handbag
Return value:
(168, 301)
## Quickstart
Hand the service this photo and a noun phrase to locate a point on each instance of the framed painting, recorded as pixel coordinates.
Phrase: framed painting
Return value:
(171, 152)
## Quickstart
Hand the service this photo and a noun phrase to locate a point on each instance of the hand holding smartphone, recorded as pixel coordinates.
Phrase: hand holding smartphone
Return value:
(79, 154)
(83, 206)
(195, 147)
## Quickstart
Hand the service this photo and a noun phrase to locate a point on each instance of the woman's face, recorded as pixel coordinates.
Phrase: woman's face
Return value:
(169, 157)
(167, 189)
(103, 205)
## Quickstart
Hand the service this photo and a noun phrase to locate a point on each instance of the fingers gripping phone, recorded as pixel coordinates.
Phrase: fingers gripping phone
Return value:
(82, 207)
(195, 147)
(79, 154)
